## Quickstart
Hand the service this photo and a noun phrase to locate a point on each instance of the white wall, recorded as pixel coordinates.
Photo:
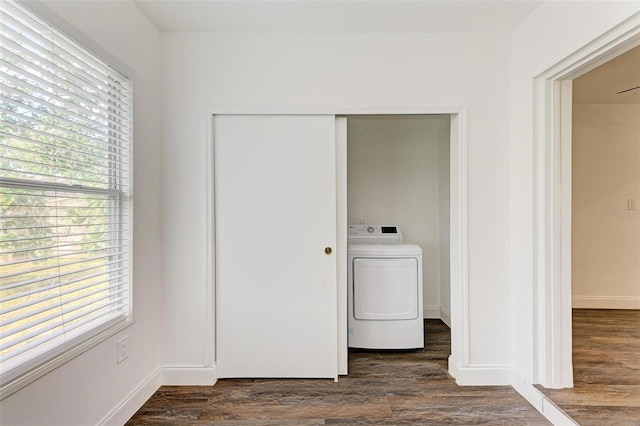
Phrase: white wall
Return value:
(334, 73)
(605, 234)
(301, 72)
(393, 169)
(89, 387)
(550, 34)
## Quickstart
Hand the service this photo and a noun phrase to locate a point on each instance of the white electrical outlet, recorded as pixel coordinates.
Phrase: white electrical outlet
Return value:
(362, 221)
(123, 349)
(631, 204)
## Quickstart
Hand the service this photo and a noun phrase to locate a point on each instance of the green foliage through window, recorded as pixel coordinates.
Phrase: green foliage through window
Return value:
(65, 126)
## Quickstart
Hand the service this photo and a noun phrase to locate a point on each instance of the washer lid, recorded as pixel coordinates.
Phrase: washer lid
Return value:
(382, 249)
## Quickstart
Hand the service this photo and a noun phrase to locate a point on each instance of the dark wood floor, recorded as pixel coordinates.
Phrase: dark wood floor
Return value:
(606, 369)
(391, 388)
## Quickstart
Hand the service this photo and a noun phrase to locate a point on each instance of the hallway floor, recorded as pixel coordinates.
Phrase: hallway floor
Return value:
(606, 369)
(390, 388)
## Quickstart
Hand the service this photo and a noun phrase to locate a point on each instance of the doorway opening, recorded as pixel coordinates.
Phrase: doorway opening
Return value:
(604, 178)
(553, 202)
(605, 185)
(604, 232)
(398, 174)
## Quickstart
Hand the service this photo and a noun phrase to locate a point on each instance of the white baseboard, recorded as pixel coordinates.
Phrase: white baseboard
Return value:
(163, 376)
(540, 401)
(605, 302)
(188, 376)
(445, 316)
(484, 375)
(479, 375)
(453, 366)
(437, 312)
(431, 311)
(132, 402)
(554, 414)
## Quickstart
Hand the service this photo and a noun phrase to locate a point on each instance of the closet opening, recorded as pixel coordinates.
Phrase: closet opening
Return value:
(398, 184)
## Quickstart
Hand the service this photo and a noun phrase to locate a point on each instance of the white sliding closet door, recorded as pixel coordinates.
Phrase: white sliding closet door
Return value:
(275, 214)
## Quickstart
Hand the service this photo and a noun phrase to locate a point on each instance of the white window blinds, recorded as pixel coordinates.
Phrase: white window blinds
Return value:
(65, 181)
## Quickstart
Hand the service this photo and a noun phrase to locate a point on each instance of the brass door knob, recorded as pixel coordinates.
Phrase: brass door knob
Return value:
(327, 250)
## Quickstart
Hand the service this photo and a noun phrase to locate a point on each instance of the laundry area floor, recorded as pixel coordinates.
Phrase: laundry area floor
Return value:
(389, 388)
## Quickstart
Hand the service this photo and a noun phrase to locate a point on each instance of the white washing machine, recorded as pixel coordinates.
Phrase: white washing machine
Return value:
(384, 289)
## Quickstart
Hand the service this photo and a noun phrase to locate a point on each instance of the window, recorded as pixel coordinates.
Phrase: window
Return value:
(65, 186)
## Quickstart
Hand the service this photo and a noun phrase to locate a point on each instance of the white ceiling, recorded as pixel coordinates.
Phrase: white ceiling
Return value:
(337, 16)
(602, 84)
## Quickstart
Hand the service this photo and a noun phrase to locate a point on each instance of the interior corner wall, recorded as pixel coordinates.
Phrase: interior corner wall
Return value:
(553, 32)
(605, 232)
(92, 386)
(393, 167)
(336, 73)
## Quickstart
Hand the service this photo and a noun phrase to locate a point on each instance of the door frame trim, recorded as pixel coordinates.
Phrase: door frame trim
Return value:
(459, 237)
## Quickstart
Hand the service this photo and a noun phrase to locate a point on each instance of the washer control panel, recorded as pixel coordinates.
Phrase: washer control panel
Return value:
(374, 233)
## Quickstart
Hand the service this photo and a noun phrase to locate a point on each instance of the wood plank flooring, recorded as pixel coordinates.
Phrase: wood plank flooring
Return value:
(606, 369)
(382, 388)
